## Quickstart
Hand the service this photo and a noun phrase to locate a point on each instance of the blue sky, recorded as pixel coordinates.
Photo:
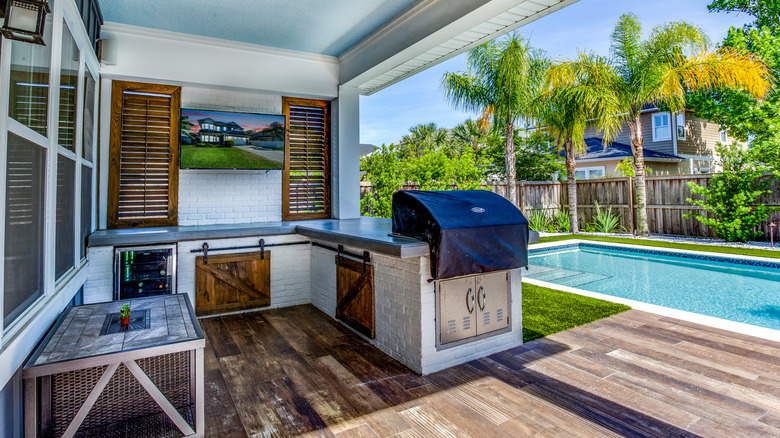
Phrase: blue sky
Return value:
(387, 115)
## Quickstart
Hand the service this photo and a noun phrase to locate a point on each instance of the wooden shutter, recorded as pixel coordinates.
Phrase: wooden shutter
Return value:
(144, 164)
(306, 179)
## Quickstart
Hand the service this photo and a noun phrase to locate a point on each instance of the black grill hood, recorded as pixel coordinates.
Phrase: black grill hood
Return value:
(468, 231)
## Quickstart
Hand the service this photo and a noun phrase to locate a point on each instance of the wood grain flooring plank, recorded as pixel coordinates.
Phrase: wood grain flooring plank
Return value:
(430, 423)
(336, 411)
(221, 415)
(724, 388)
(265, 333)
(297, 372)
(362, 431)
(740, 423)
(253, 405)
(705, 394)
(221, 342)
(382, 418)
(652, 411)
(295, 412)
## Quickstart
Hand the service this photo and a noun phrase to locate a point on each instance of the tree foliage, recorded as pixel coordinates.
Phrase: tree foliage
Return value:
(745, 116)
(434, 158)
(732, 197)
(428, 157)
(660, 69)
(503, 78)
(536, 157)
(767, 12)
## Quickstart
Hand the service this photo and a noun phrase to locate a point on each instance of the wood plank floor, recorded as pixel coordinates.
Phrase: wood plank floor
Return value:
(296, 372)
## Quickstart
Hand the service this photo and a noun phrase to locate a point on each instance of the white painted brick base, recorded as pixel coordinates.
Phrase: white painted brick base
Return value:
(290, 277)
(405, 312)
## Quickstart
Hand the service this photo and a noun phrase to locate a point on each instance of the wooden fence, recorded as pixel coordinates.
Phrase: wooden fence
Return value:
(666, 201)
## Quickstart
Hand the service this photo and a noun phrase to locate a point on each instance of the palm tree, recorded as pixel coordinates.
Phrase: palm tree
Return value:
(581, 95)
(470, 133)
(659, 70)
(502, 80)
(424, 138)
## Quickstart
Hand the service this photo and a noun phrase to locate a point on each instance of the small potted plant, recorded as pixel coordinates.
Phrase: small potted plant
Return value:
(124, 314)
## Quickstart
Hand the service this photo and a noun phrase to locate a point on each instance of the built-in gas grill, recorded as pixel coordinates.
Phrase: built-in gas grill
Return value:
(475, 237)
(468, 231)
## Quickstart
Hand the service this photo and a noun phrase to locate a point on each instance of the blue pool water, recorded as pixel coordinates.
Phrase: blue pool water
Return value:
(742, 291)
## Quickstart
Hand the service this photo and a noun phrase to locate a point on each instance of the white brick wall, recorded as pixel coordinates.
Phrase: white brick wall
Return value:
(290, 277)
(209, 197)
(405, 313)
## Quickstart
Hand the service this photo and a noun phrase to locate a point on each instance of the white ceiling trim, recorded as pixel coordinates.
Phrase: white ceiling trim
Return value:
(113, 27)
(524, 12)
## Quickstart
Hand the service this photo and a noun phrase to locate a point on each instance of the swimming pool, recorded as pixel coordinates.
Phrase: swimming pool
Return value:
(736, 289)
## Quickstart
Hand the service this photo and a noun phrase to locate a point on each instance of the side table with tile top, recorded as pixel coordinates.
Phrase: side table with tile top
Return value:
(93, 377)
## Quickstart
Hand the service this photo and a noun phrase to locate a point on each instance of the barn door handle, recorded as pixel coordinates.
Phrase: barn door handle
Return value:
(470, 294)
(481, 293)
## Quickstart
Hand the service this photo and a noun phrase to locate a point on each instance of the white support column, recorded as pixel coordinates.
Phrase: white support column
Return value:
(345, 158)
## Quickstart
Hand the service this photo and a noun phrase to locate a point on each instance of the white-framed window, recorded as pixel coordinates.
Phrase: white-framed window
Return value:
(681, 131)
(724, 136)
(590, 172)
(47, 182)
(661, 129)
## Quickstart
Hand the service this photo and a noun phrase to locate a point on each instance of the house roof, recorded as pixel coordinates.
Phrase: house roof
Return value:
(597, 150)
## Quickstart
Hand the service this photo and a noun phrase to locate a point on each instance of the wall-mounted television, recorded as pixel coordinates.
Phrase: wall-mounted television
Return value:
(231, 140)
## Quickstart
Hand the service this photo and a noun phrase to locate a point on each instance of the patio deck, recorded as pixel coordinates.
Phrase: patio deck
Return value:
(294, 371)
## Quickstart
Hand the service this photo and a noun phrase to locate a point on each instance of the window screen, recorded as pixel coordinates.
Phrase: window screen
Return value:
(65, 226)
(29, 90)
(86, 208)
(24, 219)
(69, 81)
(89, 115)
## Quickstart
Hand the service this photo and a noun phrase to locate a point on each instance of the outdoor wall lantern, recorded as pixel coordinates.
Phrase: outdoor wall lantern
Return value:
(24, 20)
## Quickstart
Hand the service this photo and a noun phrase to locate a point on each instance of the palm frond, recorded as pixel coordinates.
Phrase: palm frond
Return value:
(626, 47)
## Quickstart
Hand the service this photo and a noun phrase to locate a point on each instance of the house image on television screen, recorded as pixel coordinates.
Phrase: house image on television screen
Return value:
(231, 140)
(216, 132)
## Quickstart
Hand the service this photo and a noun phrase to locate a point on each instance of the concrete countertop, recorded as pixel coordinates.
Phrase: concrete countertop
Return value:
(367, 233)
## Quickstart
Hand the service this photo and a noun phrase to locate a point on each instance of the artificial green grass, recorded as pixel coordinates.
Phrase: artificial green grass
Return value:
(547, 311)
(196, 157)
(755, 252)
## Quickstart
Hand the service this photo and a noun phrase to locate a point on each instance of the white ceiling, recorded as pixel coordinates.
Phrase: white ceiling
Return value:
(377, 42)
(327, 27)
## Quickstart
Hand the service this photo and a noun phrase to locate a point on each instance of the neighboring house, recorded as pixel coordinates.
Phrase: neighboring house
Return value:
(673, 144)
(215, 132)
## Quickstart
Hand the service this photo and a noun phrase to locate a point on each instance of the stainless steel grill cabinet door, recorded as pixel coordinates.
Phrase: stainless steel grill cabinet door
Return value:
(458, 307)
(492, 312)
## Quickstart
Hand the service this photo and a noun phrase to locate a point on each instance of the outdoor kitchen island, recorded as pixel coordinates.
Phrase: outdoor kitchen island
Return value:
(391, 301)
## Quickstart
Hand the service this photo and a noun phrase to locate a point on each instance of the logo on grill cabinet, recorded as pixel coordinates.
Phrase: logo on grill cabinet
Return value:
(477, 209)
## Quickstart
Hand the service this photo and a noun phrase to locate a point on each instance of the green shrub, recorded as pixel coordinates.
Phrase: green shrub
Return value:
(732, 197)
(562, 221)
(605, 221)
(229, 143)
(538, 220)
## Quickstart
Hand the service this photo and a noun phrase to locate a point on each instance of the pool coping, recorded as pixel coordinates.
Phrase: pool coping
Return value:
(725, 324)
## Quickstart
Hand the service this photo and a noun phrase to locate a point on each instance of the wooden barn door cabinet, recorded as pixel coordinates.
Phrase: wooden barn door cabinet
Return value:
(230, 282)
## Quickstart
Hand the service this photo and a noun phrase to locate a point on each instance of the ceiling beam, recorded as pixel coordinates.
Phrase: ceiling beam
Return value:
(424, 27)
